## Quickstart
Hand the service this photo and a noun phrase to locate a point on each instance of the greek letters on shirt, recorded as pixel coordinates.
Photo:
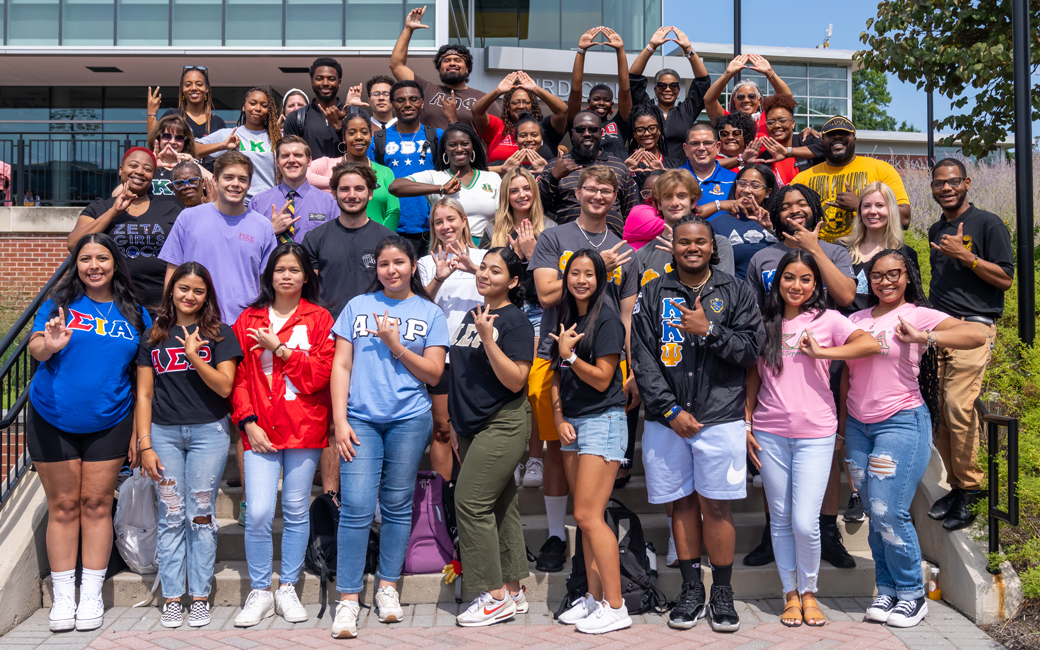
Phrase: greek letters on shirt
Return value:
(162, 187)
(672, 337)
(651, 274)
(139, 239)
(460, 102)
(412, 330)
(255, 146)
(613, 276)
(466, 335)
(298, 341)
(177, 359)
(81, 322)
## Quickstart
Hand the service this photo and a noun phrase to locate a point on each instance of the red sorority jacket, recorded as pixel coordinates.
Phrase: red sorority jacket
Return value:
(294, 410)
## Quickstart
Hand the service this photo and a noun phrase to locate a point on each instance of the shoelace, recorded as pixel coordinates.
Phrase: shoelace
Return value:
(883, 601)
(905, 607)
(688, 600)
(253, 600)
(722, 600)
(484, 598)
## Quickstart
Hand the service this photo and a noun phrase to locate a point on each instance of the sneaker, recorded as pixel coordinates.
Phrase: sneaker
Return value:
(533, 473)
(689, 608)
(388, 606)
(854, 511)
(520, 600)
(672, 559)
(580, 609)
(172, 614)
(907, 613)
(287, 604)
(485, 610)
(551, 555)
(880, 609)
(63, 614)
(90, 615)
(762, 554)
(832, 549)
(345, 624)
(198, 614)
(259, 605)
(241, 513)
(721, 614)
(605, 619)
(516, 475)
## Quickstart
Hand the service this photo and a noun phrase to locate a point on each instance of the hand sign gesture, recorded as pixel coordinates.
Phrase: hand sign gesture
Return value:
(613, 259)
(694, 321)
(776, 150)
(759, 64)
(462, 259)
(334, 115)
(664, 240)
(907, 333)
(809, 346)
(632, 162)
(414, 19)
(803, 238)
(614, 39)
(452, 185)
(537, 162)
(55, 335)
(525, 81)
(737, 64)
(588, 39)
(154, 101)
(660, 37)
(567, 339)
(281, 219)
(354, 97)
(451, 110)
(232, 142)
(525, 241)
(211, 189)
(507, 83)
(953, 245)
(484, 321)
(444, 264)
(191, 342)
(847, 200)
(264, 338)
(752, 210)
(514, 161)
(124, 199)
(386, 330)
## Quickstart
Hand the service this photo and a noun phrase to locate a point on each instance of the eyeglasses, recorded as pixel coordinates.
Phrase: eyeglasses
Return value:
(707, 144)
(742, 96)
(755, 185)
(783, 121)
(186, 183)
(954, 181)
(646, 194)
(582, 130)
(607, 192)
(170, 137)
(653, 129)
(663, 86)
(200, 68)
(380, 93)
(892, 276)
(411, 99)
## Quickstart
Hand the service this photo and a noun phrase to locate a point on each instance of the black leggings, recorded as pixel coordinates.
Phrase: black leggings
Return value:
(49, 444)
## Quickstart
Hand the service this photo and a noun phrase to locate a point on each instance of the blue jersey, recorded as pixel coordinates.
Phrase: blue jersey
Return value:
(405, 155)
(715, 187)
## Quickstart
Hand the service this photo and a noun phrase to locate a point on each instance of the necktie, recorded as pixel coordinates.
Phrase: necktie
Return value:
(287, 236)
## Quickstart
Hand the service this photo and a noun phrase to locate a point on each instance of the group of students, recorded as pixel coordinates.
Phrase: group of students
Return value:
(331, 324)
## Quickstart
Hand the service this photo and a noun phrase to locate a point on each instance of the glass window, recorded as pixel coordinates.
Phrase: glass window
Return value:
(797, 86)
(88, 22)
(828, 107)
(197, 22)
(540, 25)
(576, 17)
(122, 104)
(827, 72)
(423, 37)
(652, 18)
(33, 22)
(3, 18)
(378, 22)
(496, 22)
(143, 22)
(458, 22)
(253, 23)
(788, 70)
(314, 22)
(626, 18)
(828, 88)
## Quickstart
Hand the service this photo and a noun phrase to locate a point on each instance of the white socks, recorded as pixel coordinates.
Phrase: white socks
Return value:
(556, 514)
(91, 582)
(64, 584)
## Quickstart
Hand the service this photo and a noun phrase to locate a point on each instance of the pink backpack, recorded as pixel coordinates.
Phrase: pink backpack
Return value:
(429, 546)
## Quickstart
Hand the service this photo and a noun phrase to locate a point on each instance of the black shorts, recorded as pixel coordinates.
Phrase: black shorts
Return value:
(442, 386)
(49, 444)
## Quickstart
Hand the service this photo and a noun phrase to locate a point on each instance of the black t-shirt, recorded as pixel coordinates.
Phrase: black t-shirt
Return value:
(578, 398)
(955, 288)
(344, 259)
(863, 282)
(181, 397)
(814, 144)
(476, 392)
(139, 240)
(162, 182)
(615, 134)
(310, 124)
(198, 130)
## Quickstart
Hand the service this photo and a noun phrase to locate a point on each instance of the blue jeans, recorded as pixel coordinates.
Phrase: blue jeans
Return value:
(192, 458)
(894, 455)
(603, 434)
(387, 461)
(262, 473)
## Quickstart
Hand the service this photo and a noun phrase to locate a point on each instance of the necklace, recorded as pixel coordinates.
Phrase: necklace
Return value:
(107, 317)
(586, 236)
(697, 288)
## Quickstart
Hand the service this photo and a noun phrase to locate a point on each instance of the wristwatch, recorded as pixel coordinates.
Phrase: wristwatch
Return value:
(570, 360)
(582, 51)
(690, 54)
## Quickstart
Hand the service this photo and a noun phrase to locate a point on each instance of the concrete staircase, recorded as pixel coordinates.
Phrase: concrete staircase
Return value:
(232, 578)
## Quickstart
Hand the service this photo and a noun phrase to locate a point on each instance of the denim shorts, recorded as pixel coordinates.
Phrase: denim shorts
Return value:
(603, 434)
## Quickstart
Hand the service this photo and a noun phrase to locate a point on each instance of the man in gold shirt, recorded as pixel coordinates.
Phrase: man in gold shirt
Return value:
(839, 179)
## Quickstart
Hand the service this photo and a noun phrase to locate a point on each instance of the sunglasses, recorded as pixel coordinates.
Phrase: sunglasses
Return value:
(660, 85)
(582, 130)
(954, 182)
(731, 134)
(200, 68)
(170, 137)
(741, 97)
(186, 183)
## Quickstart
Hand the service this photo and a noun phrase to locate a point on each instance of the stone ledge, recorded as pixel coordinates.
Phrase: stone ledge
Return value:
(51, 221)
(24, 558)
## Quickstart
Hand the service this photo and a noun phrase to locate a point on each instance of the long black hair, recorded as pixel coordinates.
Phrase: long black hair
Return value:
(480, 159)
(698, 220)
(767, 175)
(644, 110)
(776, 202)
(405, 246)
(207, 317)
(568, 311)
(70, 287)
(515, 268)
(310, 286)
(773, 309)
(914, 292)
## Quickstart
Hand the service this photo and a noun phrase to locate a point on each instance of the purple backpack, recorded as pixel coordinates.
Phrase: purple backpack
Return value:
(429, 546)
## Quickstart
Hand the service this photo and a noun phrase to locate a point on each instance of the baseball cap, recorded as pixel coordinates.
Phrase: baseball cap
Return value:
(838, 123)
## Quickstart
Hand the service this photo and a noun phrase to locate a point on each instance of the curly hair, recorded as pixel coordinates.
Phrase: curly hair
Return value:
(784, 101)
(507, 119)
(274, 132)
(776, 202)
(739, 120)
(326, 62)
(453, 48)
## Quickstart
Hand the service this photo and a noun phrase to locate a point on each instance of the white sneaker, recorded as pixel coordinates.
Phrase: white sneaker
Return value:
(90, 615)
(880, 609)
(579, 610)
(287, 604)
(259, 605)
(906, 613)
(485, 610)
(516, 474)
(388, 606)
(673, 556)
(63, 614)
(345, 624)
(533, 473)
(520, 600)
(605, 619)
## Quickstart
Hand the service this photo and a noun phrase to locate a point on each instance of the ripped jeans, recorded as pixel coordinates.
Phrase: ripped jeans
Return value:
(192, 457)
(895, 453)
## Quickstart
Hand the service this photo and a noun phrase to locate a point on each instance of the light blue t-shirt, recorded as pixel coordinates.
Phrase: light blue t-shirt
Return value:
(86, 387)
(405, 155)
(381, 387)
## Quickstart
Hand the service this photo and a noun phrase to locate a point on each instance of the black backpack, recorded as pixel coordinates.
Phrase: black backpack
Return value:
(321, 547)
(638, 585)
(430, 148)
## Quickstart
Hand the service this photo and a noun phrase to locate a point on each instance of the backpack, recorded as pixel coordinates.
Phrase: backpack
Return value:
(320, 556)
(638, 586)
(429, 547)
(431, 146)
(136, 524)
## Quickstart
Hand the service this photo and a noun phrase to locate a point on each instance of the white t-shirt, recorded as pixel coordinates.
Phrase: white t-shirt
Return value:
(479, 198)
(458, 294)
(254, 144)
(267, 357)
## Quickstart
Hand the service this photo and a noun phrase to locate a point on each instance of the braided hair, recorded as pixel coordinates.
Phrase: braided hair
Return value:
(644, 110)
(776, 201)
(274, 132)
(698, 220)
(507, 119)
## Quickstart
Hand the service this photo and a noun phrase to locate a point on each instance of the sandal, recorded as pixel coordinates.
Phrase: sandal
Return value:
(793, 605)
(811, 613)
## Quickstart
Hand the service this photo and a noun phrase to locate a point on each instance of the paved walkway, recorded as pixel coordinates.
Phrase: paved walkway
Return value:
(433, 627)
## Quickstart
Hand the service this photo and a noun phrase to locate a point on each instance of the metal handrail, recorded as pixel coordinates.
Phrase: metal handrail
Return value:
(993, 423)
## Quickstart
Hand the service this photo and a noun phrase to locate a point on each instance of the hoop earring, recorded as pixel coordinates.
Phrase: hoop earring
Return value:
(444, 157)
(473, 156)
(342, 147)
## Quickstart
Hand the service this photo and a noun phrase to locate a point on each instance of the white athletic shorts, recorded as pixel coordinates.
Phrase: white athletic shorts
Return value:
(712, 463)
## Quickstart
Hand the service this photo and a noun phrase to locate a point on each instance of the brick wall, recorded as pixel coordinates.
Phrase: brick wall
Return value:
(29, 261)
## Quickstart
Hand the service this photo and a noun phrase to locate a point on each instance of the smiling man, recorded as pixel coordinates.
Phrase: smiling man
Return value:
(309, 122)
(294, 205)
(702, 150)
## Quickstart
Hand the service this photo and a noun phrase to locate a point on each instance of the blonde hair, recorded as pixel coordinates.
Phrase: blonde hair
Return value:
(893, 229)
(504, 221)
(673, 180)
(447, 202)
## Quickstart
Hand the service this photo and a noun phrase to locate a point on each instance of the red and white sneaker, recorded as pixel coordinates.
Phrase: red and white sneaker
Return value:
(520, 600)
(485, 610)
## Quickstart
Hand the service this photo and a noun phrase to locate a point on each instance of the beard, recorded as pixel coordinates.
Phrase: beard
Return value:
(452, 78)
(582, 152)
(810, 224)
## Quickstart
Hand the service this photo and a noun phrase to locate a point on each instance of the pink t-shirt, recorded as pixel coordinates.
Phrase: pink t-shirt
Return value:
(882, 385)
(798, 403)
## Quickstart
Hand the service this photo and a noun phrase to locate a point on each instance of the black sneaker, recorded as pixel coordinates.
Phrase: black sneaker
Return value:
(551, 555)
(722, 616)
(172, 614)
(854, 511)
(962, 513)
(942, 507)
(689, 608)
(880, 609)
(832, 549)
(908, 613)
(763, 553)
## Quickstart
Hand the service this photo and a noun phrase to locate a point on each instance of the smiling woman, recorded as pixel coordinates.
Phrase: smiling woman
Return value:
(256, 135)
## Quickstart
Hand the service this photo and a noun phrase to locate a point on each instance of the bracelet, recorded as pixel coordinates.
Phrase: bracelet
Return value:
(246, 420)
(649, 47)
(718, 206)
(402, 354)
(151, 114)
(671, 413)
(772, 73)
(975, 263)
(581, 51)
(145, 449)
(748, 427)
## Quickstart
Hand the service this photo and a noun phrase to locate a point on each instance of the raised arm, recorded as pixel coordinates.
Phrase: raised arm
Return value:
(624, 94)
(484, 104)
(659, 38)
(711, 97)
(699, 70)
(555, 105)
(760, 65)
(587, 40)
(399, 57)
(230, 143)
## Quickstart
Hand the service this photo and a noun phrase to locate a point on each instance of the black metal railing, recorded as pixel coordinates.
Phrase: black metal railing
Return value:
(993, 424)
(16, 372)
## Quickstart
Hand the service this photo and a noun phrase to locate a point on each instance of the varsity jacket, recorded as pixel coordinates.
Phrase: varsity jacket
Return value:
(294, 408)
(703, 375)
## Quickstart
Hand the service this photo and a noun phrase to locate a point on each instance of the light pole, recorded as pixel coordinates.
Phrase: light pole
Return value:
(736, 38)
(1023, 172)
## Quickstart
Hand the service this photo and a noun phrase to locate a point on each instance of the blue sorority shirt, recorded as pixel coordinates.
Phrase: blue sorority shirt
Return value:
(715, 187)
(405, 155)
(381, 387)
(86, 387)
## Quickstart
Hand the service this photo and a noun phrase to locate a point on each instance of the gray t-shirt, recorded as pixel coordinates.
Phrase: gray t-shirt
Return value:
(654, 263)
(555, 247)
(762, 266)
(256, 145)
